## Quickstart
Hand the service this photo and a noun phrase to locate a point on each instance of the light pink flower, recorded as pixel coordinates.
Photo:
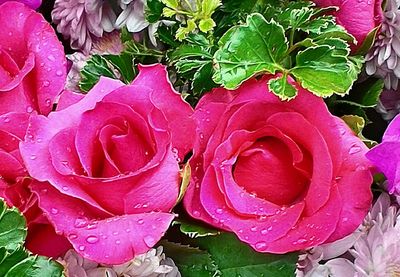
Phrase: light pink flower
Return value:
(112, 163)
(282, 176)
(34, 4)
(81, 21)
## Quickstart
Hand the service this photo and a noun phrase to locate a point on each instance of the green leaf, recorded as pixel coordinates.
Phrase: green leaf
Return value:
(368, 42)
(194, 230)
(153, 11)
(324, 71)
(173, 4)
(206, 25)
(191, 261)
(357, 124)
(11, 258)
(96, 67)
(235, 258)
(12, 228)
(202, 79)
(36, 266)
(124, 64)
(365, 94)
(281, 87)
(256, 47)
(166, 34)
(189, 51)
(208, 7)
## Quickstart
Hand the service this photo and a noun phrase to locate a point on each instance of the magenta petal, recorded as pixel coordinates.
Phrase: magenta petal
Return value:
(68, 98)
(34, 4)
(33, 39)
(358, 17)
(178, 112)
(110, 240)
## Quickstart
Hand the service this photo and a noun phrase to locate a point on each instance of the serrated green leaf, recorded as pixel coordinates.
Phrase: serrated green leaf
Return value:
(189, 51)
(167, 12)
(258, 46)
(153, 10)
(208, 7)
(191, 261)
(186, 65)
(124, 64)
(12, 228)
(365, 94)
(281, 87)
(235, 258)
(11, 258)
(323, 71)
(36, 266)
(194, 230)
(166, 34)
(95, 68)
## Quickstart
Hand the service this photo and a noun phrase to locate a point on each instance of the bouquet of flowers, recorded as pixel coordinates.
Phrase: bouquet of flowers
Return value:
(195, 138)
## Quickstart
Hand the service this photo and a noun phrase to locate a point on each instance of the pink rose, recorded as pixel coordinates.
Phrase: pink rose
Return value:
(358, 17)
(111, 160)
(14, 182)
(282, 176)
(32, 61)
(34, 4)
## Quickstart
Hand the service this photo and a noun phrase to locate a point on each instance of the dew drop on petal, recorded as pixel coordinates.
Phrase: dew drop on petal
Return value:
(72, 236)
(261, 245)
(54, 211)
(81, 248)
(149, 241)
(92, 239)
(80, 222)
(140, 221)
(118, 241)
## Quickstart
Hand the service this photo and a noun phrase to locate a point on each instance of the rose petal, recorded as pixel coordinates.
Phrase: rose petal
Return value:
(111, 240)
(68, 98)
(164, 97)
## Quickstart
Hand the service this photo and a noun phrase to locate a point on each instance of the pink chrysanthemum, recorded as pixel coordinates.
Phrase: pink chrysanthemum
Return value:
(372, 250)
(383, 60)
(83, 20)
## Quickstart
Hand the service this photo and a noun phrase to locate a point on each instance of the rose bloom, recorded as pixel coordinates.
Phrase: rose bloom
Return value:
(14, 188)
(32, 61)
(386, 156)
(111, 160)
(358, 17)
(282, 176)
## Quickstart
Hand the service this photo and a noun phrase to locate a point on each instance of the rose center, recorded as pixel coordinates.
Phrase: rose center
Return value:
(267, 170)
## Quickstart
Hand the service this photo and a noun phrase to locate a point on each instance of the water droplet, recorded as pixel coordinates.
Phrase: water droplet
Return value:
(10, 34)
(72, 236)
(261, 245)
(51, 58)
(33, 157)
(81, 248)
(354, 149)
(253, 229)
(115, 233)
(92, 239)
(118, 241)
(80, 222)
(59, 73)
(65, 188)
(92, 225)
(137, 206)
(196, 213)
(140, 221)
(149, 241)
(264, 231)
(48, 102)
(269, 228)
(54, 211)
(6, 120)
(29, 109)
(46, 83)
(128, 230)
(219, 211)
(201, 136)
